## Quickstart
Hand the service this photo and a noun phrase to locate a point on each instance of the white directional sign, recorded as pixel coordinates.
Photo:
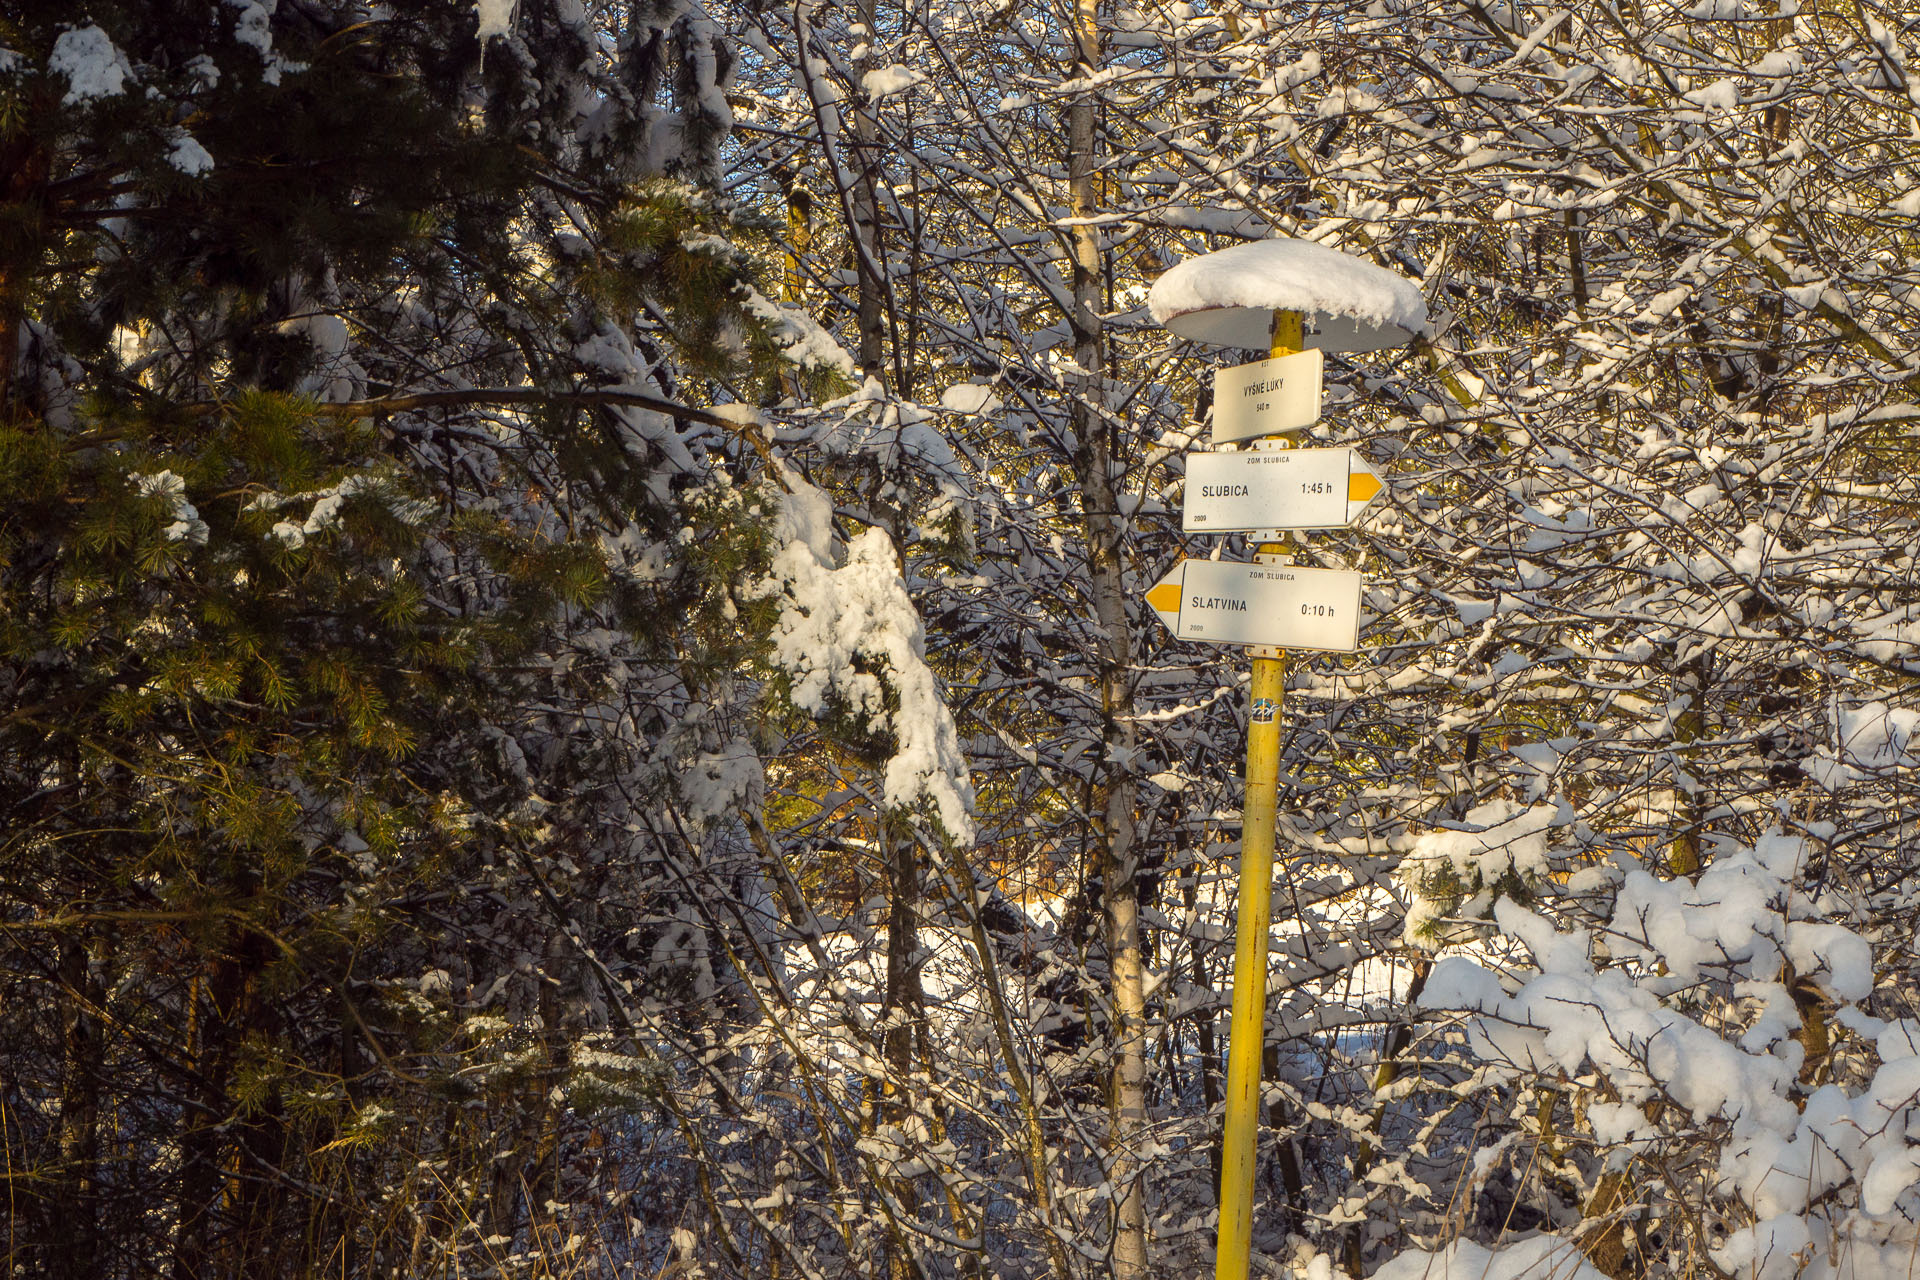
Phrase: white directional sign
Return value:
(1227, 602)
(1276, 489)
(1267, 397)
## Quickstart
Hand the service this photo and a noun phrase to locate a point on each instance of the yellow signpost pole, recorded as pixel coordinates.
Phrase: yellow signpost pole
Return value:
(1248, 1030)
(1227, 298)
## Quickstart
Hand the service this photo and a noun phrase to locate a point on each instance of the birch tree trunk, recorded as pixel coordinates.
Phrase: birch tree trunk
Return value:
(1093, 429)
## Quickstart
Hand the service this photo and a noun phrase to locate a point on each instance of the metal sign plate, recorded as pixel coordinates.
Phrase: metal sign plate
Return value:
(1267, 397)
(1229, 602)
(1276, 489)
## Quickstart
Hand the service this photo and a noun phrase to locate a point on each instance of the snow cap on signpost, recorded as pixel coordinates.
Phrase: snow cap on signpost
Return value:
(1228, 298)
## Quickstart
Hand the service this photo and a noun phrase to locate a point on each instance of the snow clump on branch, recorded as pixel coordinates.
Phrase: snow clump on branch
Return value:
(1541, 1258)
(851, 632)
(93, 66)
(1455, 872)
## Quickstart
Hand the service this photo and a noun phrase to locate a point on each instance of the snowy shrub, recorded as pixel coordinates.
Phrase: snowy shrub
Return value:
(1700, 1020)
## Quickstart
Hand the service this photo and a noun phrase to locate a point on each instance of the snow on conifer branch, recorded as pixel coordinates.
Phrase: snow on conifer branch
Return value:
(849, 637)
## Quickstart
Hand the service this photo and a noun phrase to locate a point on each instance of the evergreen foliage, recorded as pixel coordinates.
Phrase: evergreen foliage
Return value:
(342, 650)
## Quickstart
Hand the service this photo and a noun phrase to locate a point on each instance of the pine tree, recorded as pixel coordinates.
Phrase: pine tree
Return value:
(349, 627)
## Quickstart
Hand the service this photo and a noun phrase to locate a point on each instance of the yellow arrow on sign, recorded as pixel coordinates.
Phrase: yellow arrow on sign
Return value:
(1164, 597)
(1362, 485)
